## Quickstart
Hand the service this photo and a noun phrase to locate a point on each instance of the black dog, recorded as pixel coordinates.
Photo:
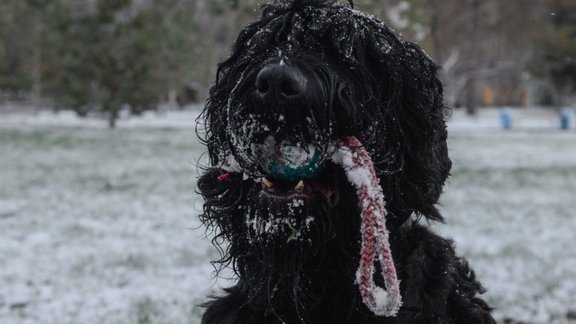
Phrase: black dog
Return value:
(287, 215)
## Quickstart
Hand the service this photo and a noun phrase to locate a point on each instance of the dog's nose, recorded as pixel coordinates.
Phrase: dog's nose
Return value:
(277, 82)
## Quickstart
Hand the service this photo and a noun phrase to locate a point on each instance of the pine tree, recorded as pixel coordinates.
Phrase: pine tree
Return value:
(120, 55)
(555, 49)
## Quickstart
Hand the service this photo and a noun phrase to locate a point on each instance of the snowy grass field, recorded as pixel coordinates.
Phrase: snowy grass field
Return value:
(99, 226)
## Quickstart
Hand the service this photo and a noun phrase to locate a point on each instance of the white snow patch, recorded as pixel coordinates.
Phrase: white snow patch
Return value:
(99, 226)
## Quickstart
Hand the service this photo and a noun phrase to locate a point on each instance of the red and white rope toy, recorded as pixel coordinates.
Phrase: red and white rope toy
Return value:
(353, 157)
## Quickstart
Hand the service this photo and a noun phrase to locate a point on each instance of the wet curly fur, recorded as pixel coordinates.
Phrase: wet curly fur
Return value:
(362, 81)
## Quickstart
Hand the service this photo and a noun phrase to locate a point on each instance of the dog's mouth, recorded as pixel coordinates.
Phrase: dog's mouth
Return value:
(273, 188)
(289, 170)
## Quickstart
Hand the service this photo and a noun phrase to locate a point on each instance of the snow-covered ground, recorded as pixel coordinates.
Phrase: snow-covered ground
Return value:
(99, 226)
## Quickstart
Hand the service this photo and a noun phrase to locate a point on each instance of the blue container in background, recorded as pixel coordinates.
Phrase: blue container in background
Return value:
(506, 118)
(565, 116)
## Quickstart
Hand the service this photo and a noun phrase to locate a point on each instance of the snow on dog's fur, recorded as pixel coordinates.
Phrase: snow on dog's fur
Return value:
(308, 240)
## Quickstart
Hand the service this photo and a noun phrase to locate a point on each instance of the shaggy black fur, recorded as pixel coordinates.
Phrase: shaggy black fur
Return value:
(296, 255)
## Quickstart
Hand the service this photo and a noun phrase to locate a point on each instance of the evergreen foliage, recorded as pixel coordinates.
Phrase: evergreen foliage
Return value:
(556, 52)
(102, 56)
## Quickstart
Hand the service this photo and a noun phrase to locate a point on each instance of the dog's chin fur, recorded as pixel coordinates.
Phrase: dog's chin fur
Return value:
(296, 255)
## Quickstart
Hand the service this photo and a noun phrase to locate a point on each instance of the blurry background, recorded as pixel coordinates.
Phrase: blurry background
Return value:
(99, 226)
(103, 55)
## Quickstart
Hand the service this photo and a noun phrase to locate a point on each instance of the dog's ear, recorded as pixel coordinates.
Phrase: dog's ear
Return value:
(413, 113)
(395, 106)
(422, 114)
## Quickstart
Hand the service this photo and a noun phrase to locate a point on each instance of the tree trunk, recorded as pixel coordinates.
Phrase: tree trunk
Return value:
(37, 61)
(471, 100)
(113, 112)
(470, 90)
(435, 21)
(112, 120)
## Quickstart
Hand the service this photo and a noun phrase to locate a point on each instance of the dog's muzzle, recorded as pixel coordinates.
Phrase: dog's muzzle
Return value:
(274, 133)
